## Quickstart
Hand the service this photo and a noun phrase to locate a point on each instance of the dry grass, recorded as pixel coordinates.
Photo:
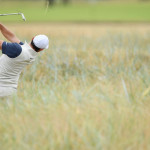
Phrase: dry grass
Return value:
(90, 90)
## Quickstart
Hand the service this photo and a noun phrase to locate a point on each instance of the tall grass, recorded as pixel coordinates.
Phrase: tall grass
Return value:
(88, 91)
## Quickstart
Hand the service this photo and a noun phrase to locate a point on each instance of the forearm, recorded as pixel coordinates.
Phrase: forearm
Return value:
(8, 34)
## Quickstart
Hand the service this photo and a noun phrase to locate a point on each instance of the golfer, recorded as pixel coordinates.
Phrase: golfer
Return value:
(16, 55)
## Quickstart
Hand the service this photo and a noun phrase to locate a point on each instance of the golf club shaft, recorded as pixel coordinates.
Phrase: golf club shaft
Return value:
(10, 14)
(23, 17)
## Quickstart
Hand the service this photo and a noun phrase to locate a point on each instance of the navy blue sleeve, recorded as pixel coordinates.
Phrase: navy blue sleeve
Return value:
(21, 43)
(12, 50)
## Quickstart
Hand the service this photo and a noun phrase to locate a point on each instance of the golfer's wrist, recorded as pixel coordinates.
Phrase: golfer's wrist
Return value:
(1, 26)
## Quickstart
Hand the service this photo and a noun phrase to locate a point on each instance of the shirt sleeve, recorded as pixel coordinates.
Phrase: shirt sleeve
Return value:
(12, 50)
(21, 43)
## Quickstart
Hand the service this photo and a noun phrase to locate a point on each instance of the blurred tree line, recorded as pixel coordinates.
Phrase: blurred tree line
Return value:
(51, 2)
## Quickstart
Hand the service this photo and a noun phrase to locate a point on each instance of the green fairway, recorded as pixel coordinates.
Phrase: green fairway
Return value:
(97, 12)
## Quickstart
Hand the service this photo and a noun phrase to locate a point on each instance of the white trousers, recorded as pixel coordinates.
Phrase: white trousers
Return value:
(6, 91)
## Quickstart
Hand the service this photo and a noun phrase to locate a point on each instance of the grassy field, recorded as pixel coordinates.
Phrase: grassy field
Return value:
(80, 12)
(89, 91)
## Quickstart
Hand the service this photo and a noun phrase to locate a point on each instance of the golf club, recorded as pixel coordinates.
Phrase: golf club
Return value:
(22, 15)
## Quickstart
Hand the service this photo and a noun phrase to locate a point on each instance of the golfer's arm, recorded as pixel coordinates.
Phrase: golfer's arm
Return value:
(8, 34)
(1, 42)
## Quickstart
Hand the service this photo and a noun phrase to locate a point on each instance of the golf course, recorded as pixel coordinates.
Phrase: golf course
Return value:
(127, 11)
(91, 89)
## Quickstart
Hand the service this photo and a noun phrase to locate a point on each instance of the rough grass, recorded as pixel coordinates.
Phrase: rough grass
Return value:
(89, 90)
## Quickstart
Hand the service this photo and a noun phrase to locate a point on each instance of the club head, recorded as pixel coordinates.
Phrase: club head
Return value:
(23, 17)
